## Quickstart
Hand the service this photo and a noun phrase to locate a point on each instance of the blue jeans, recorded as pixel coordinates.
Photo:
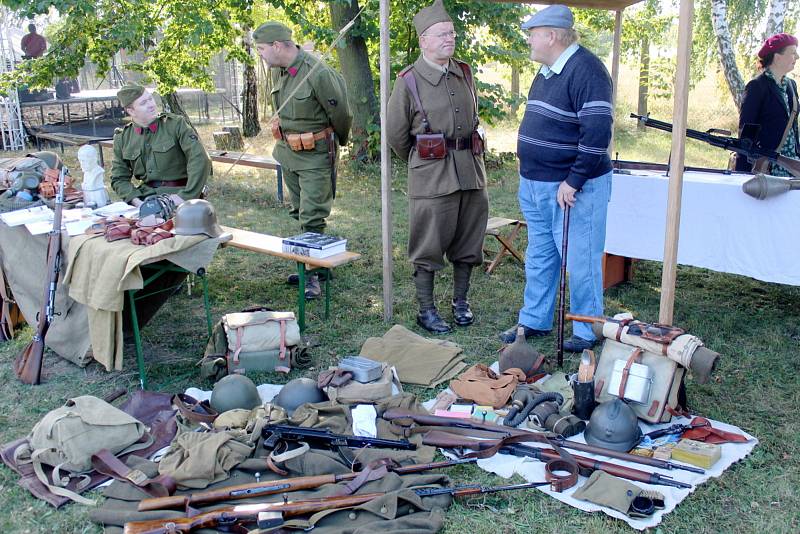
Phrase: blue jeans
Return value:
(587, 235)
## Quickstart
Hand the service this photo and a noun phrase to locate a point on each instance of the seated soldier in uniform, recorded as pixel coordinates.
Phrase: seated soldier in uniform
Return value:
(156, 153)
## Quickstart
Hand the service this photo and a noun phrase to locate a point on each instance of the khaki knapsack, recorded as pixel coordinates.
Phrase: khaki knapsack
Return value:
(67, 437)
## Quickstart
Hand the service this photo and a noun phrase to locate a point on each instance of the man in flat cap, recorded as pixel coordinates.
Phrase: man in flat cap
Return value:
(156, 152)
(768, 114)
(563, 154)
(432, 123)
(314, 119)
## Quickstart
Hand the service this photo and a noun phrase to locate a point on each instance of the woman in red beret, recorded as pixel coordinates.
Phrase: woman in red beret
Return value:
(770, 102)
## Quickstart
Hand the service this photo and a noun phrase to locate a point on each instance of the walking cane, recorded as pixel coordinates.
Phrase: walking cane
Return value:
(562, 290)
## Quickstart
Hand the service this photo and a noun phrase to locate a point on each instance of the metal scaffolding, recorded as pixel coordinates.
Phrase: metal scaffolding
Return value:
(12, 131)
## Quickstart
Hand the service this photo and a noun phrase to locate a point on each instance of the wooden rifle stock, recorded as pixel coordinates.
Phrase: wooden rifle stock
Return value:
(28, 364)
(286, 485)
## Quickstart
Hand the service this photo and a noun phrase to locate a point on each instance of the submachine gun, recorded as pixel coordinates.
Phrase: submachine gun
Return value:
(743, 146)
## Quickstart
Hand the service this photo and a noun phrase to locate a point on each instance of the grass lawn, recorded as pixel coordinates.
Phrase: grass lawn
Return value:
(754, 325)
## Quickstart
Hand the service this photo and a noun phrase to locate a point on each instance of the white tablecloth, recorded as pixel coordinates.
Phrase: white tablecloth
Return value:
(721, 228)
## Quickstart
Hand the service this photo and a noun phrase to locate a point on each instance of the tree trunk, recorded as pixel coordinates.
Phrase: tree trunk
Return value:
(172, 104)
(727, 56)
(644, 79)
(775, 16)
(515, 86)
(354, 60)
(250, 124)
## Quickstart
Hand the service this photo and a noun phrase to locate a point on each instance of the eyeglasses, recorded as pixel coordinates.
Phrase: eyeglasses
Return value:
(442, 36)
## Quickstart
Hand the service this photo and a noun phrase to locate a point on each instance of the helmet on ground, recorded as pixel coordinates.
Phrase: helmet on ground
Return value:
(613, 425)
(296, 392)
(51, 159)
(235, 391)
(195, 217)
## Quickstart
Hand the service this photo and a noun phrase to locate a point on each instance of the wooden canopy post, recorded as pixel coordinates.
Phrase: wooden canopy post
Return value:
(676, 163)
(386, 167)
(615, 70)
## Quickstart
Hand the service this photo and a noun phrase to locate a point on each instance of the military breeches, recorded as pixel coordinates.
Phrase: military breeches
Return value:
(311, 195)
(452, 225)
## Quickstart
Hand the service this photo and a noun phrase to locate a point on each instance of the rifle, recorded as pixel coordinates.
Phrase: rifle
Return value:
(270, 515)
(28, 364)
(324, 438)
(452, 441)
(744, 146)
(260, 489)
(398, 414)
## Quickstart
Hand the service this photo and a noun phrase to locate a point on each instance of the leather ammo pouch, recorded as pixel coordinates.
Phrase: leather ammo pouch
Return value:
(649, 381)
(478, 144)
(294, 141)
(307, 140)
(260, 340)
(431, 146)
(275, 126)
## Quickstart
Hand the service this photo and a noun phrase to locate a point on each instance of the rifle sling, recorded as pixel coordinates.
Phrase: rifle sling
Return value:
(106, 463)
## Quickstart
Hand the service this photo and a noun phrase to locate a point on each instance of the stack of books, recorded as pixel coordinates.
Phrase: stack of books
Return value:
(314, 245)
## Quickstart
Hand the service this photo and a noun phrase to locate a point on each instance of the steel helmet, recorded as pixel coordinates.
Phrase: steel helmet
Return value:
(51, 159)
(195, 217)
(235, 391)
(296, 392)
(613, 425)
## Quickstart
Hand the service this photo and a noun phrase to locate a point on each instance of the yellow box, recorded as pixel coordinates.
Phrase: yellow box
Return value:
(696, 453)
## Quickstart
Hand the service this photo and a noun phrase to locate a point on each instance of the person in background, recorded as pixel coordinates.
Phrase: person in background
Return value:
(33, 44)
(156, 152)
(768, 115)
(563, 154)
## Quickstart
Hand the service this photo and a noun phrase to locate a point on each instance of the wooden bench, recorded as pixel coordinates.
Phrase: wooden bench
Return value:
(266, 244)
(238, 158)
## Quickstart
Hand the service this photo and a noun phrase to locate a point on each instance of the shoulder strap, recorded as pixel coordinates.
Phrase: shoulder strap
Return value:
(411, 83)
(792, 117)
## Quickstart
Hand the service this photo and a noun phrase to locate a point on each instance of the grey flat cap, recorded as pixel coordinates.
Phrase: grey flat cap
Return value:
(555, 16)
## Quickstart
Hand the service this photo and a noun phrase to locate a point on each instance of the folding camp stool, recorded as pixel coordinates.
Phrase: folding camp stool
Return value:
(493, 228)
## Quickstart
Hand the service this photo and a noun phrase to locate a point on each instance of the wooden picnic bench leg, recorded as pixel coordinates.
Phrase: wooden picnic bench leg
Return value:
(498, 258)
(327, 293)
(301, 295)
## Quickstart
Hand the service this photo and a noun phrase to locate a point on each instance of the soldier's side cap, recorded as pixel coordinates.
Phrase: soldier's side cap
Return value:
(555, 16)
(128, 93)
(428, 16)
(272, 31)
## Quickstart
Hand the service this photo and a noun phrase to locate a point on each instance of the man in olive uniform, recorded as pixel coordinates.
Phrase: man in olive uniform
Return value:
(156, 153)
(448, 203)
(313, 117)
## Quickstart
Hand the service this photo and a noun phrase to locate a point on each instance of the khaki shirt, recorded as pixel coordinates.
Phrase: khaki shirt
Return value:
(172, 152)
(321, 101)
(450, 106)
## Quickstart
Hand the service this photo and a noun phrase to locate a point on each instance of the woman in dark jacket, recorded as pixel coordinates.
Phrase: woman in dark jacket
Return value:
(770, 100)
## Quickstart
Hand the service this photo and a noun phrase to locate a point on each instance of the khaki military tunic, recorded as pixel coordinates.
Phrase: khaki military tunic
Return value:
(320, 102)
(167, 150)
(448, 203)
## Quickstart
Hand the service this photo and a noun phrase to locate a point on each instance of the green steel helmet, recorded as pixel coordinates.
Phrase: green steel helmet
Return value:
(195, 217)
(296, 392)
(613, 425)
(159, 205)
(51, 159)
(235, 392)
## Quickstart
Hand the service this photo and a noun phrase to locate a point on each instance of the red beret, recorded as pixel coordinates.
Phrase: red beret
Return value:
(776, 43)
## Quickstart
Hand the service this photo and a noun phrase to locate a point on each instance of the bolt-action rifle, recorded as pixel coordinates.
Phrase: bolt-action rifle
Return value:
(28, 364)
(270, 515)
(744, 146)
(272, 487)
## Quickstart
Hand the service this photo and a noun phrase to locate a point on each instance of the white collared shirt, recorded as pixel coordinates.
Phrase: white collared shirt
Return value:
(559, 63)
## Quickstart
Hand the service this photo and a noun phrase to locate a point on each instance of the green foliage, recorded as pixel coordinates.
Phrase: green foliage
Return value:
(179, 37)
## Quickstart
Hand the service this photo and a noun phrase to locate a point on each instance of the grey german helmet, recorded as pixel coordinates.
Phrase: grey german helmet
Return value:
(51, 159)
(235, 391)
(296, 392)
(196, 217)
(613, 425)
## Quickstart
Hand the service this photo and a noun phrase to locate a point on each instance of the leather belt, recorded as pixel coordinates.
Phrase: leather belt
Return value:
(106, 463)
(319, 136)
(559, 482)
(459, 143)
(167, 183)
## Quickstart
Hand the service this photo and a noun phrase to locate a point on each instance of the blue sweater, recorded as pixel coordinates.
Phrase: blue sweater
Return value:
(566, 129)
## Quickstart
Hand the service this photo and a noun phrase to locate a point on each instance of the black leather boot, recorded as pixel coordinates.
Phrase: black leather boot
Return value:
(462, 314)
(428, 317)
(431, 321)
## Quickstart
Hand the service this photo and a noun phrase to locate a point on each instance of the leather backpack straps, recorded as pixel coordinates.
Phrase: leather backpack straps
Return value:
(411, 83)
